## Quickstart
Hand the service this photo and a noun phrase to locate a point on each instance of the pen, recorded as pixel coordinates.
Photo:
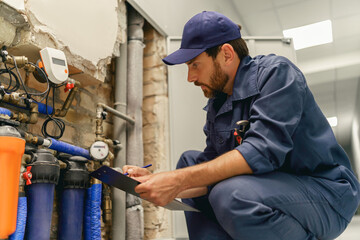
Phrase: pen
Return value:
(146, 166)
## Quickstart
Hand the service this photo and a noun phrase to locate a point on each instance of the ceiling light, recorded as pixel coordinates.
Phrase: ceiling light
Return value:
(332, 121)
(310, 35)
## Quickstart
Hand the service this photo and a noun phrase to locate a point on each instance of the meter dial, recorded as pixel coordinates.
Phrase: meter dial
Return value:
(99, 150)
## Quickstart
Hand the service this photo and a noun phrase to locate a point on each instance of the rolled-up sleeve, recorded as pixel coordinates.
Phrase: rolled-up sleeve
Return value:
(274, 116)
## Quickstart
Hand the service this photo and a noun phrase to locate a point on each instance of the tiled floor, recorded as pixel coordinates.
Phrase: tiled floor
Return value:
(352, 232)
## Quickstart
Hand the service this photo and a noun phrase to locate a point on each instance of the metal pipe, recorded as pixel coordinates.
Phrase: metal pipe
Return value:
(63, 111)
(135, 149)
(119, 197)
(117, 113)
(15, 100)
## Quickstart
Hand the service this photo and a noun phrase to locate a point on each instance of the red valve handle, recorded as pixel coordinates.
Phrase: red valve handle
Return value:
(27, 175)
(69, 86)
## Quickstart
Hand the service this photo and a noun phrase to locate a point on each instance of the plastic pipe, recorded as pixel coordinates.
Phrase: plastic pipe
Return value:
(92, 218)
(40, 198)
(71, 214)
(42, 108)
(21, 220)
(5, 111)
(95, 210)
(87, 215)
(68, 148)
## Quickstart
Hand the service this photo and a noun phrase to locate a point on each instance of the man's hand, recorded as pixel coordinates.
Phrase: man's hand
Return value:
(135, 171)
(160, 188)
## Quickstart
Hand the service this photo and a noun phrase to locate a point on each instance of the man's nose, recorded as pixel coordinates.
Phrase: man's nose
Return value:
(191, 76)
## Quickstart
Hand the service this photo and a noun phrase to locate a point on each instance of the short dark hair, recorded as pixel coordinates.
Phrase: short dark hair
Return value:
(238, 44)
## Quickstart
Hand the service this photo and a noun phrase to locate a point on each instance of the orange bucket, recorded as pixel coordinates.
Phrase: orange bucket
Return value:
(11, 150)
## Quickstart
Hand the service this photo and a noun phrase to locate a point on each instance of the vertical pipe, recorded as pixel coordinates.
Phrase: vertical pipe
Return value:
(134, 153)
(119, 197)
(21, 219)
(87, 215)
(95, 206)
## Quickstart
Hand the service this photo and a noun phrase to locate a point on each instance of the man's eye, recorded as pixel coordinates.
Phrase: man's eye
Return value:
(194, 65)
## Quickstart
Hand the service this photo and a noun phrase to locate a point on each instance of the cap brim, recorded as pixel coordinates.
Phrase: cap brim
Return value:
(182, 56)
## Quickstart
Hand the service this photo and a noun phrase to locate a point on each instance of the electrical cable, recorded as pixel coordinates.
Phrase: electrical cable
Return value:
(19, 81)
(29, 95)
(11, 74)
(57, 121)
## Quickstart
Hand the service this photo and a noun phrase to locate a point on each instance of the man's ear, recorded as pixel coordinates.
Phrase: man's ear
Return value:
(228, 53)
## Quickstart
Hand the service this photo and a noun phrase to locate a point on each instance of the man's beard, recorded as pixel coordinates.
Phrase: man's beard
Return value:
(218, 80)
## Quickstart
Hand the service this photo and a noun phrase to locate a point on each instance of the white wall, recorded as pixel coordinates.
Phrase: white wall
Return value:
(89, 28)
(171, 15)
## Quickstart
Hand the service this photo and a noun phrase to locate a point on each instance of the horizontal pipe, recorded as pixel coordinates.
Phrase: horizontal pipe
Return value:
(42, 108)
(5, 111)
(117, 113)
(68, 148)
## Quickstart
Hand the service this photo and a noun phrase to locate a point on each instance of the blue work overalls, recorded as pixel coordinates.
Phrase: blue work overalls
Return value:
(302, 186)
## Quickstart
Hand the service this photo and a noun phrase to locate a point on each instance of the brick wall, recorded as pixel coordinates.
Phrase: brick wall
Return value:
(155, 127)
(80, 122)
(80, 119)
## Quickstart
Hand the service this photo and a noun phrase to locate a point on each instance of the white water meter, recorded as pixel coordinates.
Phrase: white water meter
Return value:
(55, 65)
(99, 150)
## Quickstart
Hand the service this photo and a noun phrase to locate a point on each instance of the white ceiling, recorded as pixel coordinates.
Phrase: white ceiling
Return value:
(332, 70)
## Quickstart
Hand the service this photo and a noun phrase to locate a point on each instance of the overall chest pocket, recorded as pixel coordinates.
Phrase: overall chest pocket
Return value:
(223, 141)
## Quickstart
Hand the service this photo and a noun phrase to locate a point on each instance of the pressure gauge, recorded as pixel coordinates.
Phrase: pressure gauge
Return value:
(99, 150)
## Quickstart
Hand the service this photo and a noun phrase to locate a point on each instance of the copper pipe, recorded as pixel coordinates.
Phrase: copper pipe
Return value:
(63, 111)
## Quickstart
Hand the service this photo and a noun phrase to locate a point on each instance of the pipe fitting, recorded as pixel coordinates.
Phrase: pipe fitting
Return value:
(20, 61)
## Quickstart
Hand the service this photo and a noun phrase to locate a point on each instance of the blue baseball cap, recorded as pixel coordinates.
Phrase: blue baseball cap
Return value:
(204, 30)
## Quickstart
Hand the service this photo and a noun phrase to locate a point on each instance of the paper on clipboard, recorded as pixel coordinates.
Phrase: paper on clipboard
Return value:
(127, 184)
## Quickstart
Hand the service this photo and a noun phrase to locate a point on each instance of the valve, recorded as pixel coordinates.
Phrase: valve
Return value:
(69, 85)
(27, 175)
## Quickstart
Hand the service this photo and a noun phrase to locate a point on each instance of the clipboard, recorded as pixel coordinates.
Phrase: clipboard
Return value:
(127, 184)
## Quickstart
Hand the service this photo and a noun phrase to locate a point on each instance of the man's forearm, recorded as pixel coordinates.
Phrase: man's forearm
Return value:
(225, 166)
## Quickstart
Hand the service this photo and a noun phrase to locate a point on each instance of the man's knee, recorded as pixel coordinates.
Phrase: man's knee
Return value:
(236, 204)
(187, 159)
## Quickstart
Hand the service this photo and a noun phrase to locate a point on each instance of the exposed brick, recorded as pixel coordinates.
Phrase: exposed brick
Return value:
(155, 74)
(63, 95)
(69, 134)
(87, 101)
(152, 61)
(155, 88)
(76, 117)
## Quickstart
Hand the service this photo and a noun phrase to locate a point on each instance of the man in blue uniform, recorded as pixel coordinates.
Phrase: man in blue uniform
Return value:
(288, 179)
